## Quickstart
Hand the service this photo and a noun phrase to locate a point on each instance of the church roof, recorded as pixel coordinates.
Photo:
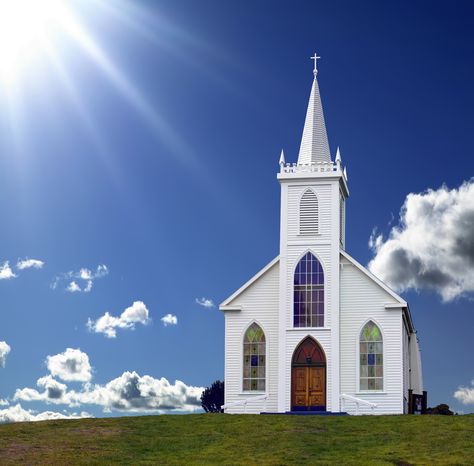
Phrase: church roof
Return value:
(314, 143)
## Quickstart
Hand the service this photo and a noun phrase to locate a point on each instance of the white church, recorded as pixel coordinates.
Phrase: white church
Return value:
(314, 330)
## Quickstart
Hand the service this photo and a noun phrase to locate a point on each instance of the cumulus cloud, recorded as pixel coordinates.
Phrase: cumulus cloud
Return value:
(137, 313)
(4, 402)
(204, 302)
(6, 271)
(18, 414)
(169, 319)
(432, 247)
(465, 394)
(72, 366)
(129, 392)
(80, 281)
(23, 264)
(4, 350)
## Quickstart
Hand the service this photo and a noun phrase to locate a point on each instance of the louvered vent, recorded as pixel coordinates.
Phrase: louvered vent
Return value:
(309, 213)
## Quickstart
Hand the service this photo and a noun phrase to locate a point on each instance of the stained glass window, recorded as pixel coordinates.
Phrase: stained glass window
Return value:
(308, 299)
(371, 358)
(254, 359)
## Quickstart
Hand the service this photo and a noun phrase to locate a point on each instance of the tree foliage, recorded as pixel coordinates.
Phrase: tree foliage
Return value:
(440, 409)
(212, 397)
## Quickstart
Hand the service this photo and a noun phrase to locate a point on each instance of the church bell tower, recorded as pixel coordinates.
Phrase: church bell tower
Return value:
(313, 195)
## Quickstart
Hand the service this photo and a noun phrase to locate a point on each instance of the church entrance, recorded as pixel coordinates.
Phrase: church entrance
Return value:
(308, 377)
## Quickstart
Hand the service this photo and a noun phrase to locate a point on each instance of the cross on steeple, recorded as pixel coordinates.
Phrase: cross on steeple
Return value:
(315, 58)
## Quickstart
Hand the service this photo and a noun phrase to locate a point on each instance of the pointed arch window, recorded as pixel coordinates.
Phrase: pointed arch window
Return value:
(309, 213)
(371, 357)
(308, 299)
(254, 359)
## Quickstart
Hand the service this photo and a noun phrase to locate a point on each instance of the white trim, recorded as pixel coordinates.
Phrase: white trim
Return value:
(307, 329)
(395, 307)
(231, 308)
(247, 284)
(374, 278)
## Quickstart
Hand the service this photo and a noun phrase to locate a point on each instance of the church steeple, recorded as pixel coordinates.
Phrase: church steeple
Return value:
(314, 143)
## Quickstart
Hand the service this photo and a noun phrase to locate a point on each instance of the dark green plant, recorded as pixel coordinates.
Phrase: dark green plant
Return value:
(212, 397)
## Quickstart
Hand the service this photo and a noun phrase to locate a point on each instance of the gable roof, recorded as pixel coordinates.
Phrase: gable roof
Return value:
(374, 279)
(224, 306)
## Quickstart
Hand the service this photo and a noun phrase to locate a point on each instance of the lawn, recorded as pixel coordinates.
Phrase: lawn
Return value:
(225, 439)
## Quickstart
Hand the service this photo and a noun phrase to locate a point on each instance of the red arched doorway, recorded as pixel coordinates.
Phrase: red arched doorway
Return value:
(308, 377)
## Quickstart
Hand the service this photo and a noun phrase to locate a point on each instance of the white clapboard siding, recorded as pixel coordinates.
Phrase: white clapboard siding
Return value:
(259, 304)
(406, 368)
(362, 299)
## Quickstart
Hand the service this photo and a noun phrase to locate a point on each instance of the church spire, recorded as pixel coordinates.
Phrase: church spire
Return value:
(314, 143)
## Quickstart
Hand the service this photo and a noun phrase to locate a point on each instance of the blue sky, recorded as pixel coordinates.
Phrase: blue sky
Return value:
(147, 139)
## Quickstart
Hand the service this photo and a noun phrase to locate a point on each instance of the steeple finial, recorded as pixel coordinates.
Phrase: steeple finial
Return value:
(315, 58)
(282, 158)
(338, 155)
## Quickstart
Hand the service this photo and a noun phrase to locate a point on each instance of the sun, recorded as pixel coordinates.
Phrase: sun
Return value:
(27, 29)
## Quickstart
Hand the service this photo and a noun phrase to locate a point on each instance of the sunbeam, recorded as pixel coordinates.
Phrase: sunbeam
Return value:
(32, 34)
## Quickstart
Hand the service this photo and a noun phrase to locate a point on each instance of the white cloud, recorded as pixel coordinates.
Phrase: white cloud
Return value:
(137, 313)
(29, 263)
(129, 392)
(71, 365)
(18, 414)
(465, 394)
(205, 302)
(6, 272)
(433, 245)
(73, 287)
(80, 281)
(169, 319)
(4, 402)
(4, 350)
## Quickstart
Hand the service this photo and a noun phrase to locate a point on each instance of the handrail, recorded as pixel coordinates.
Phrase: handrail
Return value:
(245, 401)
(357, 401)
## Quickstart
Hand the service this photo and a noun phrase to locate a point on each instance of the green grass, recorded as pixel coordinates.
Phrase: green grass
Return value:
(227, 440)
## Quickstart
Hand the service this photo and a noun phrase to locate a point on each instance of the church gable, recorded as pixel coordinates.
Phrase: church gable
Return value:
(360, 280)
(263, 284)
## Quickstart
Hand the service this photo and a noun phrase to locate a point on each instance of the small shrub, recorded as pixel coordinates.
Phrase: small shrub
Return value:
(212, 397)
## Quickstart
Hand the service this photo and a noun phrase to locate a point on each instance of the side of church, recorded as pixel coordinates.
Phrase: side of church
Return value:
(314, 330)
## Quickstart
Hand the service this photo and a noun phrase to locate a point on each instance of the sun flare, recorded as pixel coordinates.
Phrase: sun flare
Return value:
(27, 28)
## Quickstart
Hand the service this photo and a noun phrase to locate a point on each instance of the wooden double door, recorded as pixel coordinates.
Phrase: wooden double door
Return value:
(308, 391)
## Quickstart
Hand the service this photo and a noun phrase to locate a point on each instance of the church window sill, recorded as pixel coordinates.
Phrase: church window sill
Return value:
(305, 329)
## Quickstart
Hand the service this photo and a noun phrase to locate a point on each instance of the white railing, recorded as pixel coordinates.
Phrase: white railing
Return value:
(320, 167)
(246, 401)
(357, 401)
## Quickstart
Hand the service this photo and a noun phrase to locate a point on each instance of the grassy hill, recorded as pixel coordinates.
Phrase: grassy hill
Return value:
(225, 439)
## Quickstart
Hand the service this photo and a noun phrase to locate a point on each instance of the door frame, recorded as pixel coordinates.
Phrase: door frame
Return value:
(320, 361)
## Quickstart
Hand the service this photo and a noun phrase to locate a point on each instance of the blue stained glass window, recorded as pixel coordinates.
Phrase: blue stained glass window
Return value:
(254, 361)
(308, 296)
(371, 357)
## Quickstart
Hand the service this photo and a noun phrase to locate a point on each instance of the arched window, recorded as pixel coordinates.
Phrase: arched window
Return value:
(371, 357)
(308, 304)
(254, 359)
(309, 213)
